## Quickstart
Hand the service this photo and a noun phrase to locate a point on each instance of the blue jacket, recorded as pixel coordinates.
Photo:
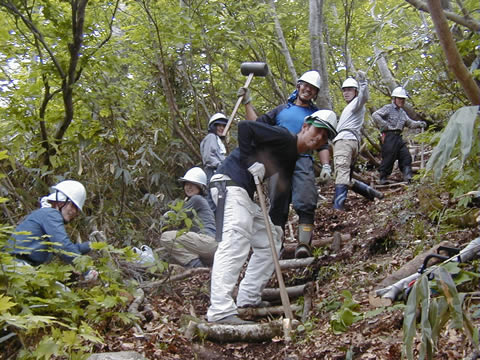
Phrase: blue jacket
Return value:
(45, 226)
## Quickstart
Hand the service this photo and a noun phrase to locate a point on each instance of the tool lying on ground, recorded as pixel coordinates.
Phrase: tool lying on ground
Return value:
(249, 69)
(394, 291)
(283, 291)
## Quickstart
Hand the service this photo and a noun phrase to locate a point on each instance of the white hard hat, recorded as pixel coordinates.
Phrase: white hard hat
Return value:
(350, 83)
(399, 92)
(218, 117)
(312, 77)
(73, 190)
(324, 119)
(195, 175)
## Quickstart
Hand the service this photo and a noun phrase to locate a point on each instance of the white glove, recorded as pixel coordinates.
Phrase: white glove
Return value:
(243, 91)
(257, 169)
(325, 174)
(361, 76)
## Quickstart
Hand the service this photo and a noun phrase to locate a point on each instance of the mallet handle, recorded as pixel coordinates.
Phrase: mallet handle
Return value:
(237, 105)
(283, 291)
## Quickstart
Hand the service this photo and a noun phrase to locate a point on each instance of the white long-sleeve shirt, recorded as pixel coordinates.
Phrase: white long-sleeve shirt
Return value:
(353, 115)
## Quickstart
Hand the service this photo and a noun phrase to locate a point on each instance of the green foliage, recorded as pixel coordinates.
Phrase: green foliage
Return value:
(435, 312)
(346, 315)
(461, 126)
(52, 313)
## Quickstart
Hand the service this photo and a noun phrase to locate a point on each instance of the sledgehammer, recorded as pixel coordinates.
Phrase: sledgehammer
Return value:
(249, 69)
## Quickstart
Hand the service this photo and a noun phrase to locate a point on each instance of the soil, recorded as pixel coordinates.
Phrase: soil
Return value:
(385, 234)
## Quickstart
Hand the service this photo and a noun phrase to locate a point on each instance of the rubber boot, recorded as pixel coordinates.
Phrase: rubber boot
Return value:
(304, 240)
(407, 174)
(341, 191)
(366, 191)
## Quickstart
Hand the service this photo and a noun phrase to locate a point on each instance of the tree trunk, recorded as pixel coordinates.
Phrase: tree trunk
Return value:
(283, 44)
(455, 62)
(317, 51)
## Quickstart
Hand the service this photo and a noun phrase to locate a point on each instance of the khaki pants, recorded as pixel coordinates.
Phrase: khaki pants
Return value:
(344, 151)
(187, 247)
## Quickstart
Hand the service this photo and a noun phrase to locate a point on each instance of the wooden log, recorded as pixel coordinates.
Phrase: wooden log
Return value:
(289, 249)
(237, 333)
(307, 300)
(412, 266)
(295, 263)
(266, 311)
(139, 296)
(272, 294)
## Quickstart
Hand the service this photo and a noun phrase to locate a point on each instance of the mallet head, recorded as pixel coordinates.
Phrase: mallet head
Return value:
(257, 68)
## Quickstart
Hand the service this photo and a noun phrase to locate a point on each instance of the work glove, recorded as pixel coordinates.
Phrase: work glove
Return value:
(325, 174)
(257, 169)
(245, 92)
(423, 124)
(361, 76)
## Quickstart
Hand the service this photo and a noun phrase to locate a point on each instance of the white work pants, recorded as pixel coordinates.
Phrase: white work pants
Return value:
(244, 227)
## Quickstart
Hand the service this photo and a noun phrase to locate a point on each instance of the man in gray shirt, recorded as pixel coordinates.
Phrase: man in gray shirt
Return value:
(391, 119)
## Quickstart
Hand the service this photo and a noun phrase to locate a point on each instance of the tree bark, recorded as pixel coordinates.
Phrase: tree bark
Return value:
(283, 44)
(317, 50)
(464, 20)
(270, 294)
(455, 62)
(234, 333)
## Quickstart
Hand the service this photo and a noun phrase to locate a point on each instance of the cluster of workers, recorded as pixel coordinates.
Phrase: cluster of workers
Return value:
(229, 224)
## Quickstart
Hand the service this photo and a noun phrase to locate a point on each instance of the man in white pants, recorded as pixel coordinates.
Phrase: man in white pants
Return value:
(262, 151)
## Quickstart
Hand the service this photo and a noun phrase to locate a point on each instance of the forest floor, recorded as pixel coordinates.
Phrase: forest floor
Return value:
(385, 235)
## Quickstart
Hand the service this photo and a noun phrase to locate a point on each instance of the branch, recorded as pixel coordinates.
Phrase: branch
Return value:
(38, 35)
(455, 62)
(468, 22)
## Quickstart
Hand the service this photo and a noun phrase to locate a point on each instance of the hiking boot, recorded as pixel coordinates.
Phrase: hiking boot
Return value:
(233, 320)
(303, 251)
(383, 181)
(261, 304)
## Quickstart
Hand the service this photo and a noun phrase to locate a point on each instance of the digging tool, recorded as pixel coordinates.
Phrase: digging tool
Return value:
(283, 291)
(249, 69)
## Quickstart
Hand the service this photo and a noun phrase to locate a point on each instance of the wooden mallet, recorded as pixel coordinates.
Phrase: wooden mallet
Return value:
(249, 69)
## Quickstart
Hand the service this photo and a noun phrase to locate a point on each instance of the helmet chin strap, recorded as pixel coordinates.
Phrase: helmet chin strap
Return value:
(64, 203)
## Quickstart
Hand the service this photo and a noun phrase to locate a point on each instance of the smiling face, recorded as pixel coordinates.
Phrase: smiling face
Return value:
(191, 189)
(349, 93)
(311, 138)
(306, 93)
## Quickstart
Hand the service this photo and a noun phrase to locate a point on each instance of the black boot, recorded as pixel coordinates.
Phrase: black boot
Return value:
(303, 249)
(365, 190)
(407, 174)
(341, 191)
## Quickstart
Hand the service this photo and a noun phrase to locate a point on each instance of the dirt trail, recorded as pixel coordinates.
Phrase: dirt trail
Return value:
(385, 234)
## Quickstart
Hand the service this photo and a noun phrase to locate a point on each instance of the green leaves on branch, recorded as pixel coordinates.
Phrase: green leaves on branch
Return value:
(434, 313)
(460, 125)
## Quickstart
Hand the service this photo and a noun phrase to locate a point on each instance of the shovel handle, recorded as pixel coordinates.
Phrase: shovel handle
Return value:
(283, 291)
(237, 105)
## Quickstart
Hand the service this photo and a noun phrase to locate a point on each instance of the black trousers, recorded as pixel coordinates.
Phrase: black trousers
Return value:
(394, 148)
